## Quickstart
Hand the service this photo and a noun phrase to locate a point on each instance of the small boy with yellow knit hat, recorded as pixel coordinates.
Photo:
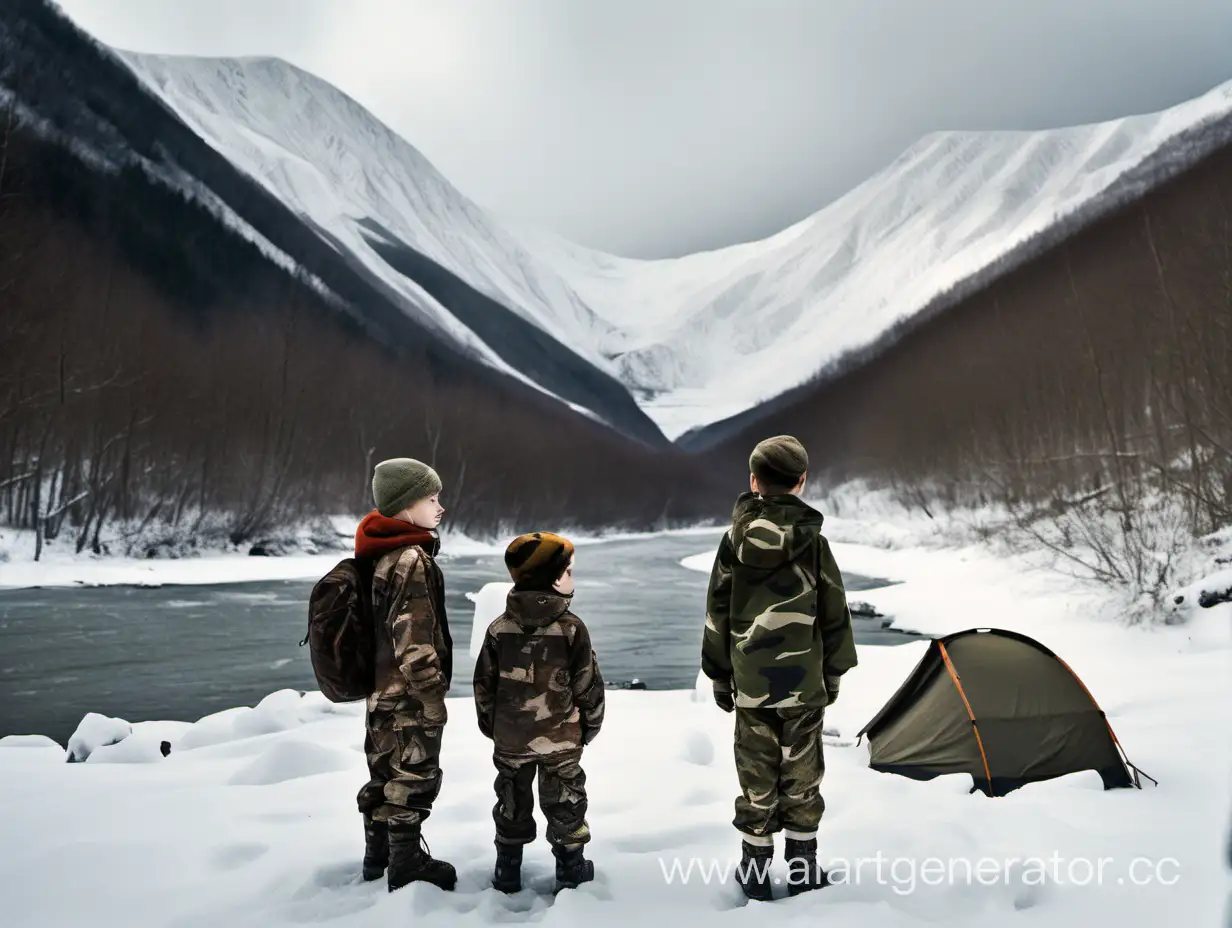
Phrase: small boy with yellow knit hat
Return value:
(539, 697)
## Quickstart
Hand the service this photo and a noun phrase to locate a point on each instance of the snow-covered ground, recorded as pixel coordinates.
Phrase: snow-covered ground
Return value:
(70, 570)
(61, 566)
(250, 819)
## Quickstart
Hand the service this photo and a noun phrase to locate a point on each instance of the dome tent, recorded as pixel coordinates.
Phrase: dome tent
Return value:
(1000, 706)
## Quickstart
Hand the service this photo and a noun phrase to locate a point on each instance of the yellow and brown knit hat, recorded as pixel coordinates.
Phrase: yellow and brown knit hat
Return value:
(537, 560)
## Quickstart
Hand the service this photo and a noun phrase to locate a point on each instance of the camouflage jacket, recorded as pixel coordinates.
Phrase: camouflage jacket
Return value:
(538, 689)
(777, 622)
(413, 647)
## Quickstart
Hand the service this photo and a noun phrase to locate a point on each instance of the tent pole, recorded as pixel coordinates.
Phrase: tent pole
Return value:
(945, 656)
(1104, 716)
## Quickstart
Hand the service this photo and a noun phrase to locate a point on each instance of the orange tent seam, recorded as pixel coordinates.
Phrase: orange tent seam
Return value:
(971, 715)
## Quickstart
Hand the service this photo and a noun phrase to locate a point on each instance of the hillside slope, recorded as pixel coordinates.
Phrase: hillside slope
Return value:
(695, 339)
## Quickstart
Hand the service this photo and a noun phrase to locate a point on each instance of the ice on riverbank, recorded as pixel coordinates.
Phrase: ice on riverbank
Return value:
(60, 566)
(489, 603)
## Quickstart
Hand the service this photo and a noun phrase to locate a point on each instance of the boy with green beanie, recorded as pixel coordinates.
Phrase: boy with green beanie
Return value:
(405, 714)
(539, 697)
(778, 640)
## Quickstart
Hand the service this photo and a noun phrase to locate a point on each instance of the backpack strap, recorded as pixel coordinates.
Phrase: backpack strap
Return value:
(406, 558)
(406, 555)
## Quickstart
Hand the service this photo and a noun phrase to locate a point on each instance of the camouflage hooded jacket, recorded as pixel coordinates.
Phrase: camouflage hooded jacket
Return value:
(538, 689)
(414, 659)
(777, 622)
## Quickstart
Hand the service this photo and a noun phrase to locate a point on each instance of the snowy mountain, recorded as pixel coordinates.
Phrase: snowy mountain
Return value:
(712, 335)
(342, 169)
(695, 339)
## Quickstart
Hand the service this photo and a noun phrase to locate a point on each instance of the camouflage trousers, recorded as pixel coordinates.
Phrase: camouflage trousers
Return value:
(404, 772)
(780, 765)
(562, 797)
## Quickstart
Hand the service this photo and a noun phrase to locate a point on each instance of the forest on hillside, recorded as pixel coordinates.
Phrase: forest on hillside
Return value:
(80, 93)
(1087, 393)
(160, 377)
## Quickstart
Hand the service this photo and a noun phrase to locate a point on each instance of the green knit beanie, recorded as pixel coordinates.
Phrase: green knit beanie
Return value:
(402, 482)
(779, 461)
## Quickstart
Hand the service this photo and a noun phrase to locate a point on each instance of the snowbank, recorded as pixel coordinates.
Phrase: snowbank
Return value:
(96, 731)
(28, 742)
(57, 570)
(1211, 591)
(67, 570)
(489, 603)
(142, 746)
(280, 711)
(250, 820)
(19, 752)
(699, 562)
(60, 567)
(290, 760)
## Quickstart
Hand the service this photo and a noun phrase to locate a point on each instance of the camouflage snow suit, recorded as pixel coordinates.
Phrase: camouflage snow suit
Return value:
(406, 711)
(539, 697)
(778, 633)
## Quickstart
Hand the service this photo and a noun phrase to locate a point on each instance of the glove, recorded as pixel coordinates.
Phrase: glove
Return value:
(831, 689)
(723, 695)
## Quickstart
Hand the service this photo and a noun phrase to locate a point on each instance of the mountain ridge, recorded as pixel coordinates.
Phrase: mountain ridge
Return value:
(697, 339)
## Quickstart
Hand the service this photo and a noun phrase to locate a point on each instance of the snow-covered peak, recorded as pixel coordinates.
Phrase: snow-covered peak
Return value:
(719, 332)
(333, 162)
(695, 339)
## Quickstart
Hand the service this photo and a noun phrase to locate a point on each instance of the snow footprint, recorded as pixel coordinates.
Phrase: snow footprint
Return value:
(291, 759)
(334, 876)
(277, 818)
(701, 796)
(234, 856)
(536, 897)
(728, 897)
(529, 905)
(426, 899)
(668, 840)
(333, 892)
(697, 748)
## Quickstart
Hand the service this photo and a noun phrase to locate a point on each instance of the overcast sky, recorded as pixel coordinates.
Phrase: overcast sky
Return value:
(659, 127)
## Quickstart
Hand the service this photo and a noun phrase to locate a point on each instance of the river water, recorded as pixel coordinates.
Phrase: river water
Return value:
(181, 652)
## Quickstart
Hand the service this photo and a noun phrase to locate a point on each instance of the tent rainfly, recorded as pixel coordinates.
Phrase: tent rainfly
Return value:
(999, 706)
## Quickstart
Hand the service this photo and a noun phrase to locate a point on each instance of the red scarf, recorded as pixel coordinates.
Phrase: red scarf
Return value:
(378, 535)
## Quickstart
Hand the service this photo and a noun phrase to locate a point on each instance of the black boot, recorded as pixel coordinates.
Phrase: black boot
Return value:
(410, 861)
(754, 871)
(508, 874)
(572, 868)
(376, 849)
(803, 871)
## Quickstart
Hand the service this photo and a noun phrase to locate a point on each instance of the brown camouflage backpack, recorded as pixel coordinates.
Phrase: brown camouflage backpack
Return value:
(341, 631)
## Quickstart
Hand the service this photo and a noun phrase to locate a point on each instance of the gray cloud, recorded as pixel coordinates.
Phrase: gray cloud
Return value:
(651, 129)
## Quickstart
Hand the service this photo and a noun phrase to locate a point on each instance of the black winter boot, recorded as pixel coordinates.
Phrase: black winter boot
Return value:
(410, 861)
(376, 849)
(753, 873)
(572, 868)
(508, 874)
(803, 871)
